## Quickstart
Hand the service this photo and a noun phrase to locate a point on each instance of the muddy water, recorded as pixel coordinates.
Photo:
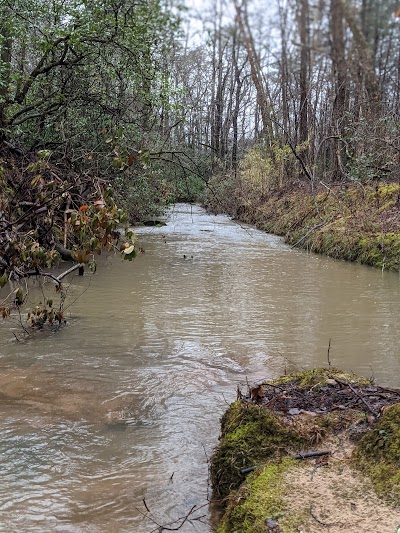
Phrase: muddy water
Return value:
(124, 403)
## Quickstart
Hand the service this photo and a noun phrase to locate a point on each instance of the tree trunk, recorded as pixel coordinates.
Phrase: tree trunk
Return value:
(304, 70)
(340, 77)
(256, 76)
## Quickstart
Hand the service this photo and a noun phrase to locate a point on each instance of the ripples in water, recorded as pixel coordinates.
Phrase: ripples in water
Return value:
(125, 403)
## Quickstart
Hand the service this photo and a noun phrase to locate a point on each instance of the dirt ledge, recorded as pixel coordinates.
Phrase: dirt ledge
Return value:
(268, 471)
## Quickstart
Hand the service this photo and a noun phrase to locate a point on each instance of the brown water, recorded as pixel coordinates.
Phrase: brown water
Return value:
(102, 414)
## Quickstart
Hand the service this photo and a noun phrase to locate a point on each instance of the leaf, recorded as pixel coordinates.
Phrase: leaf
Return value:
(129, 250)
(44, 154)
(3, 280)
(109, 140)
(19, 297)
(83, 208)
(36, 180)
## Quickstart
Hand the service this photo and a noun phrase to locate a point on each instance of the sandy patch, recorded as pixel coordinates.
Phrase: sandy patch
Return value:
(333, 497)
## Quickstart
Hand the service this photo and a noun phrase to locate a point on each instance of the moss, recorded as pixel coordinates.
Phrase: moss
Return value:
(389, 189)
(260, 498)
(253, 435)
(378, 455)
(250, 435)
(317, 377)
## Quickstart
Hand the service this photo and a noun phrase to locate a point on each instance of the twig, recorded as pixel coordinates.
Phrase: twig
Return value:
(248, 470)
(271, 385)
(393, 391)
(357, 394)
(323, 524)
(145, 504)
(160, 528)
(72, 269)
(314, 228)
(310, 455)
(329, 350)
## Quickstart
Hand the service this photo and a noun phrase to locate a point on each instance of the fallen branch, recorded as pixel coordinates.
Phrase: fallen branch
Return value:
(310, 455)
(370, 409)
(64, 252)
(318, 226)
(56, 279)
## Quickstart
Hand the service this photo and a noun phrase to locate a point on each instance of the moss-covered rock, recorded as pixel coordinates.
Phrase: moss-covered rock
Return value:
(250, 435)
(261, 501)
(378, 454)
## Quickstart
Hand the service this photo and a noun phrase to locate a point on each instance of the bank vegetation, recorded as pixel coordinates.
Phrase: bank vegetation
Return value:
(110, 111)
(313, 450)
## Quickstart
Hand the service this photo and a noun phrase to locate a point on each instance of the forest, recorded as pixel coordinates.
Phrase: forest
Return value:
(218, 144)
(285, 117)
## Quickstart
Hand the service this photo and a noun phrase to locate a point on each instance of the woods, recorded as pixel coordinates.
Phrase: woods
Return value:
(323, 98)
(113, 110)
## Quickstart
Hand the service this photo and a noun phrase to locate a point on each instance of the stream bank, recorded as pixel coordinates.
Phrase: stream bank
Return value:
(311, 450)
(354, 222)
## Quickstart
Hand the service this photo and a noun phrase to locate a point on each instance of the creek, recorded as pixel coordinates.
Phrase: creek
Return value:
(124, 403)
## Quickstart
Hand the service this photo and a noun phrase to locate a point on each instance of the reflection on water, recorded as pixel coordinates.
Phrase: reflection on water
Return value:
(124, 404)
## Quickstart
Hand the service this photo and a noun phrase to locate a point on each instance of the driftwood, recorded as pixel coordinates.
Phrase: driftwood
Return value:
(337, 394)
(347, 384)
(300, 457)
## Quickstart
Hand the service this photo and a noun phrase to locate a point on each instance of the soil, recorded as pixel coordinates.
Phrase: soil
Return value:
(324, 485)
(335, 498)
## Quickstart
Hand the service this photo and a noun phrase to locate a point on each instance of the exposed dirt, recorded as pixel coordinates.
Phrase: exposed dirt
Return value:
(333, 497)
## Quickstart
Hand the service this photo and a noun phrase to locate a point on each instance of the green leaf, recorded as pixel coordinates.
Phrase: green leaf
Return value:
(3, 280)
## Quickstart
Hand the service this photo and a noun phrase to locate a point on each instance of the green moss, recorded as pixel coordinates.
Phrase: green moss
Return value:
(250, 435)
(317, 377)
(388, 189)
(260, 498)
(378, 455)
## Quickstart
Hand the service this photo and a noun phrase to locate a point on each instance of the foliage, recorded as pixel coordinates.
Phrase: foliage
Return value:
(378, 454)
(45, 216)
(250, 434)
(88, 81)
(82, 87)
(353, 222)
